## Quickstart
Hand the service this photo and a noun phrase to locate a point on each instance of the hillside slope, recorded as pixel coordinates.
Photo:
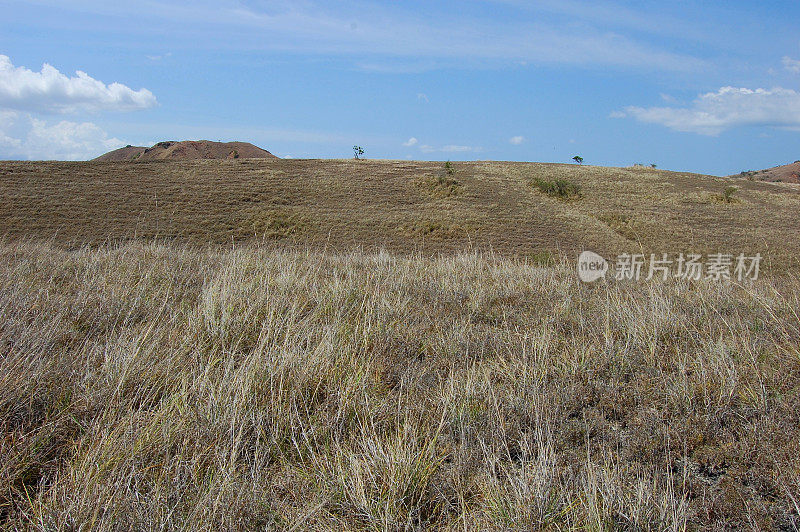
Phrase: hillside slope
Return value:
(787, 173)
(187, 150)
(403, 206)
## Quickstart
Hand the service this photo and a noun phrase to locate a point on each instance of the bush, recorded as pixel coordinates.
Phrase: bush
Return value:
(558, 188)
(443, 183)
(727, 195)
(748, 174)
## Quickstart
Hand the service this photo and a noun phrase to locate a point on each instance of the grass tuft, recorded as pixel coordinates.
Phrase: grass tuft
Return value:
(558, 188)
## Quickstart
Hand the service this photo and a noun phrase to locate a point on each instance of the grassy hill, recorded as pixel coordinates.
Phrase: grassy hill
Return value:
(333, 370)
(402, 206)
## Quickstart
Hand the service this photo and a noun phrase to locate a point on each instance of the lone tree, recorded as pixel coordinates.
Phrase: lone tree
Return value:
(358, 151)
(578, 159)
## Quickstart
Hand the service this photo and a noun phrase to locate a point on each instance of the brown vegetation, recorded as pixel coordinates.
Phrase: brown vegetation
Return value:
(402, 206)
(788, 173)
(149, 386)
(218, 345)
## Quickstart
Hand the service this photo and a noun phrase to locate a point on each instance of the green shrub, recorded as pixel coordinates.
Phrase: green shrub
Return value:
(727, 195)
(443, 182)
(558, 188)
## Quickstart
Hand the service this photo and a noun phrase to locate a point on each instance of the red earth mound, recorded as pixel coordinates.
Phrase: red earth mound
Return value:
(188, 150)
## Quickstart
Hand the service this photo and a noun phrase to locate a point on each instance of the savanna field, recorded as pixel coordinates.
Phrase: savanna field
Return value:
(331, 345)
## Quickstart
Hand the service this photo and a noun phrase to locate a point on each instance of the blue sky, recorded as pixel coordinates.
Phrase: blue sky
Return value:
(709, 87)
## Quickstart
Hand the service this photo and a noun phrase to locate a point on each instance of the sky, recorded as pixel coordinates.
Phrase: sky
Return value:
(710, 87)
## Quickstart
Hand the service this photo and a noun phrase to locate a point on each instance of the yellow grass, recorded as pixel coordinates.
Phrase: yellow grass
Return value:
(152, 386)
(402, 206)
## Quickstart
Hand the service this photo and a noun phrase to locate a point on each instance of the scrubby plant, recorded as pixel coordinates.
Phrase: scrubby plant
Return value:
(358, 152)
(443, 182)
(727, 194)
(748, 174)
(558, 188)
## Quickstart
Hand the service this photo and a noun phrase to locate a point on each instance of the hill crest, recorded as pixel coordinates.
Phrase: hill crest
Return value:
(787, 173)
(187, 150)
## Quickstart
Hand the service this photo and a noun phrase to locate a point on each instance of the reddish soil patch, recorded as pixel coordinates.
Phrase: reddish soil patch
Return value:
(188, 150)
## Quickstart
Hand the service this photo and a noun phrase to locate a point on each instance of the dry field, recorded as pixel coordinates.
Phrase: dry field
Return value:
(146, 386)
(400, 206)
(346, 365)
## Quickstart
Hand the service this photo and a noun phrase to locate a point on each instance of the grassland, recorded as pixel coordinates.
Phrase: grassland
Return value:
(387, 347)
(401, 206)
(147, 386)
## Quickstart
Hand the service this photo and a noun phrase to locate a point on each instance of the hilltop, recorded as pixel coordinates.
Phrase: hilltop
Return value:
(187, 150)
(402, 206)
(787, 173)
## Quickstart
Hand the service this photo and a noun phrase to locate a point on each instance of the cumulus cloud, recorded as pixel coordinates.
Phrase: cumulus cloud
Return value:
(516, 141)
(729, 107)
(25, 137)
(411, 142)
(50, 91)
(792, 65)
(7, 120)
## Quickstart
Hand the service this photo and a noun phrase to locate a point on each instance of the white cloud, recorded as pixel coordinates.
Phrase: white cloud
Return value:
(792, 65)
(729, 107)
(7, 120)
(159, 57)
(423, 97)
(393, 31)
(516, 141)
(25, 137)
(450, 148)
(53, 92)
(411, 142)
(535, 35)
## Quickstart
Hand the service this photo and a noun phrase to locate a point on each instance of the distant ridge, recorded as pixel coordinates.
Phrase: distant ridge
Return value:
(788, 173)
(187, 150)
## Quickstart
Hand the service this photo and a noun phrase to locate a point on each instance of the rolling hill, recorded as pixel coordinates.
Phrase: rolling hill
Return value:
(187, 150)
(402, 206)
(226, 344)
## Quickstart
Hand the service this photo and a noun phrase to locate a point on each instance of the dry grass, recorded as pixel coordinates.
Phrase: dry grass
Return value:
(402, 206)
(146, 386)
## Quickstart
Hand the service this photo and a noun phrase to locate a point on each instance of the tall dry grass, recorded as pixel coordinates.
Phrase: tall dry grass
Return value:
(153, 387)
